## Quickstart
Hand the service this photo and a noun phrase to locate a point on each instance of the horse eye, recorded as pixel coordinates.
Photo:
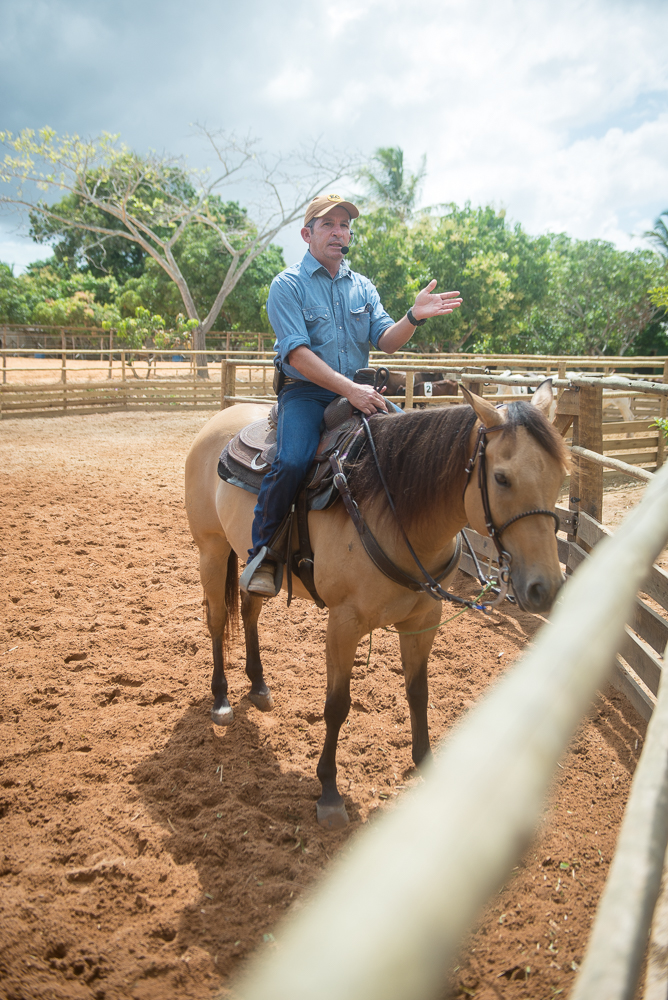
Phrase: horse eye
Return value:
(501, 479)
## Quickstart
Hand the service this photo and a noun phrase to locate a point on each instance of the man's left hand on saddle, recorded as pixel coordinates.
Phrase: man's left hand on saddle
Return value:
(365, 398)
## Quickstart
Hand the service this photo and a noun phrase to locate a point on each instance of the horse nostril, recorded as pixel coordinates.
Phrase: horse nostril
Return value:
(537, 595)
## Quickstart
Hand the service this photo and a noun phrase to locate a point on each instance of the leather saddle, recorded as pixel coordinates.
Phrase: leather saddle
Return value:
(247, 458)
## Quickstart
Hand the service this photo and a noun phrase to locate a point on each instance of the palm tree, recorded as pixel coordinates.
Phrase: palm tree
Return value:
(659, 235)
(389, 185)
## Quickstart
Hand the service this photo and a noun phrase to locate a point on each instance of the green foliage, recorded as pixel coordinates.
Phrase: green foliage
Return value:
(79, 309)
(659, 296)
(51, 296)
(662, 424)
(15, 301)
(596, 301)
(79, 249)
(203, 265)
(500, 271)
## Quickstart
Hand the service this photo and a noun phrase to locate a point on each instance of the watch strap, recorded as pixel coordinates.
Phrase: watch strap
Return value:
(412, 320)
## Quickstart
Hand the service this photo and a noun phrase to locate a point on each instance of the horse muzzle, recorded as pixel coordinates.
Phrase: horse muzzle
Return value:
(536, 592)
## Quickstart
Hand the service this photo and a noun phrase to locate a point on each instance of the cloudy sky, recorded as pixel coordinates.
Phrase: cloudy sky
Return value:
(557, 112)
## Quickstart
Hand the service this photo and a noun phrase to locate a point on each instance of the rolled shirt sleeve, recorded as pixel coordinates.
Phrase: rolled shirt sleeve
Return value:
(380, 320)
(285, 312)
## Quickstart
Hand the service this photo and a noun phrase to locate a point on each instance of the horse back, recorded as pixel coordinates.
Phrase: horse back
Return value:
(201, 473)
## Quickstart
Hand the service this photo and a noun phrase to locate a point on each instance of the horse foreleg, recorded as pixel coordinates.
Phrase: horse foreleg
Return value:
(259, 695)
(213, 574)
(415, 651)
(342, 639)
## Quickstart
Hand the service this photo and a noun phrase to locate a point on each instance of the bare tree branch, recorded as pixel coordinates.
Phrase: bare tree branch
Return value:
(157, 198)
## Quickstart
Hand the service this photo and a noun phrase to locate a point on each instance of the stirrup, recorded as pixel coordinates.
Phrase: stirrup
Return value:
(247, 575)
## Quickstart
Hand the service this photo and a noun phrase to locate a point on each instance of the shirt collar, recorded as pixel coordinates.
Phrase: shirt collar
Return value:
(311, 265)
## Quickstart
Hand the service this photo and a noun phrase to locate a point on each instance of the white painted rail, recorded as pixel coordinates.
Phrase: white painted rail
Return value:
(388, 920)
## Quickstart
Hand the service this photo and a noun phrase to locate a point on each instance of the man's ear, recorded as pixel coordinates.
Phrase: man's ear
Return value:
(306, 234)
(488, 414)
(543, 397)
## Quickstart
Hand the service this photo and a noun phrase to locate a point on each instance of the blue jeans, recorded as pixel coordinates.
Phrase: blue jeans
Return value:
(300, 424)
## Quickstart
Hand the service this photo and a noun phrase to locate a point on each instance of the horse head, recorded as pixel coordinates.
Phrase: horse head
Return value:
(518, 465)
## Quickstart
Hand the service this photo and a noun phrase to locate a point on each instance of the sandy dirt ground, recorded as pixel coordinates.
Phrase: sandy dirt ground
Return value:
(145, 854)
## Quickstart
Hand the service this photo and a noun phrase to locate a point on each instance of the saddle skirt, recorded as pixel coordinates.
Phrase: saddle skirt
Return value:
(247, 458)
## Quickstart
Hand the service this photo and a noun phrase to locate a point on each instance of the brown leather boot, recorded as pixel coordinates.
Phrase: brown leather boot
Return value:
(262, 581)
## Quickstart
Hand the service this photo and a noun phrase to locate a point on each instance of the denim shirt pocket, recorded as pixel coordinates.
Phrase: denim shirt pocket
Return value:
(360, 323)
(319, 324)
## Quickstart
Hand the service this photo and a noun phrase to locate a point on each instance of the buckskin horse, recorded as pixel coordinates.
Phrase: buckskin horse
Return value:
(498, 470)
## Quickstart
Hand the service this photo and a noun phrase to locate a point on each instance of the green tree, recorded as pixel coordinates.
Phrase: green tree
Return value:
(203, 264)
(500, 271)
(152, 201)
(75, 249)
(15, 302)
(51, 295)
(597, 300)
(389, 185)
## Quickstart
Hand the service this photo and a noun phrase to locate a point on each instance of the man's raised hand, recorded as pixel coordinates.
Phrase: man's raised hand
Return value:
(429, 303)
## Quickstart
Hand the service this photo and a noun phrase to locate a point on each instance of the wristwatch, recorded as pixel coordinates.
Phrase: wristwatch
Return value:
(412, 320)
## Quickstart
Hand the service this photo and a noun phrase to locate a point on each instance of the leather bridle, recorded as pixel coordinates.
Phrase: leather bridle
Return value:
(480, 455)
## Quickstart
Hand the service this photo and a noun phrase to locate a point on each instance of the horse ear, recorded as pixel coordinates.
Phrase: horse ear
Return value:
(543, 397)
(488, 414)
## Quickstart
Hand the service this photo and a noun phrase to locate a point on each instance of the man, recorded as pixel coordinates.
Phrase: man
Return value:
(325, 318)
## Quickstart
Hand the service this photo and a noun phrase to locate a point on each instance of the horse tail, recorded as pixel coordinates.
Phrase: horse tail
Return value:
(232, 596)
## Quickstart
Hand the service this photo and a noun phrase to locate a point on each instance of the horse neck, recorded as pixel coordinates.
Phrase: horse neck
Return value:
(431, 534)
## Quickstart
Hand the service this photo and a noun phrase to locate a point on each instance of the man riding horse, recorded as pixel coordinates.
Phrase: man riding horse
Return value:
(325, 317)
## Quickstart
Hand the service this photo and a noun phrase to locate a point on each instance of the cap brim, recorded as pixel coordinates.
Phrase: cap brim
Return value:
(352, 211)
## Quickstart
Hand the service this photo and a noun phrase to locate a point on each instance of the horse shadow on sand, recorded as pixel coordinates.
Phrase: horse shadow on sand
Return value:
(244, 817)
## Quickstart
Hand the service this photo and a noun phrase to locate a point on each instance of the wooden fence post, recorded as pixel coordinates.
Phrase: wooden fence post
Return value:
(410, 382)
(663, 410)
(63, 368)
(587, 478)
(230, 382)
(124, 387)
(111, 350)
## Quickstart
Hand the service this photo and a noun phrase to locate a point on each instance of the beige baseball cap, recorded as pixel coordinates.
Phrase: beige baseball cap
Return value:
(324, 203)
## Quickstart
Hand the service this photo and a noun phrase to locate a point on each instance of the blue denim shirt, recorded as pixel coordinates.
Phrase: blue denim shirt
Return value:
(338, 319)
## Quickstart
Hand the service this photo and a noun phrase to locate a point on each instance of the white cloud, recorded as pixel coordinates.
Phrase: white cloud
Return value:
(557, 112)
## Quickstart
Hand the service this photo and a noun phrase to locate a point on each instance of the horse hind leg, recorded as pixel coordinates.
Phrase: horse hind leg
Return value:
(259, 694)
(218, 573)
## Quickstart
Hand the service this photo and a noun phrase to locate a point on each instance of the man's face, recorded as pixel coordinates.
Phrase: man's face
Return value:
(330, 233)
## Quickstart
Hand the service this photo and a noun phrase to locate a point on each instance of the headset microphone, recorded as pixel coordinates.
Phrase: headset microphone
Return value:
(345, 250)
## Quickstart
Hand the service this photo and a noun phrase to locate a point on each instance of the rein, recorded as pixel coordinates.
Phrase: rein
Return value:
(430, 585)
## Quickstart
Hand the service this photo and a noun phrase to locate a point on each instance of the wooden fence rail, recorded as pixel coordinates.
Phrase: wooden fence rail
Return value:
(387, 922)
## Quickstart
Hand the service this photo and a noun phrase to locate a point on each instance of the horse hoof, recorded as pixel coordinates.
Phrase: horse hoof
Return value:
(264, 702)
(222, 716)
(332, 817)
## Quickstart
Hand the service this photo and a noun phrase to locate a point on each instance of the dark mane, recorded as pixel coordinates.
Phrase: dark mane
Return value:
(423, 455)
